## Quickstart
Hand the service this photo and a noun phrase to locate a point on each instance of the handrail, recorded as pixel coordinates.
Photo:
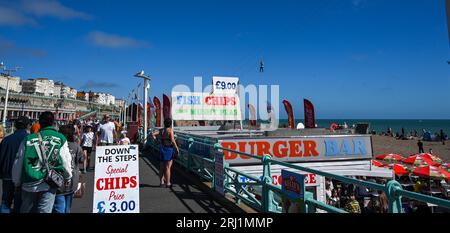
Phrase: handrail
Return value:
(393, 189)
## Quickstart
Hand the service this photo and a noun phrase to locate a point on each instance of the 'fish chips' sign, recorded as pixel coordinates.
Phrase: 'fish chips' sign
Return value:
(205, 106)
(116, 186)
(299, 149)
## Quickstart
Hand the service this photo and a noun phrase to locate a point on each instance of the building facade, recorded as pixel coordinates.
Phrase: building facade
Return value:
(14, 83)
(38, 86)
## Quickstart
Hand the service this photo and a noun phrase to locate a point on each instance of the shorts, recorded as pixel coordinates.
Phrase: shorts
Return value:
(88, 149)
(166, 153)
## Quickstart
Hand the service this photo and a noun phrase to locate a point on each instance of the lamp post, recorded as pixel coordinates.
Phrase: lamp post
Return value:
(7, 73)
(146, 86)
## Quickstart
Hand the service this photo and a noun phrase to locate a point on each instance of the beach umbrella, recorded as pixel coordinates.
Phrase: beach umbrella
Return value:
(420, 159)
(445, 166)
(390, 157)
(431, 172)
(377, 164)
(400, 170)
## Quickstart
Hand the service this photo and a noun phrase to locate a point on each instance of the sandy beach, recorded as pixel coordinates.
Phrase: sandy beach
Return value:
(384, 144)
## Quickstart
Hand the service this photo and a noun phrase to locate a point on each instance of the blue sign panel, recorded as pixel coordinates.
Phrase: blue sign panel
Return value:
(293, 184)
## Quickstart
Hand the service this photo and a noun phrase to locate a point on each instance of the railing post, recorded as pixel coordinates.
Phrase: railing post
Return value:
(190, 144)
(308, 208)
(267, 195)
(395, 200)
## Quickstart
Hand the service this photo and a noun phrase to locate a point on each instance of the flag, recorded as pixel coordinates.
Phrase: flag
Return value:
(288, 107)
(310, 119)
(166, 107)
(157, 104)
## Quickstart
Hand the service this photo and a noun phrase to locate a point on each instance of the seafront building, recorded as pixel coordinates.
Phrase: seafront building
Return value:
(33, 96)
(14, 84)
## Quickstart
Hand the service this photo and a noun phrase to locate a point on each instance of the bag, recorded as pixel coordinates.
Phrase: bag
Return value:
(80, 191)
(54, 179)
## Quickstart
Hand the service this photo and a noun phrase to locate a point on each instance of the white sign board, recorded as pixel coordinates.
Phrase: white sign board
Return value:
(225, 85)
(205, 106)
(116, 186)
(299, 149)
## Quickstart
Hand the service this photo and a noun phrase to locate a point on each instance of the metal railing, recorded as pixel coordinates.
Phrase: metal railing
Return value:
(203, 166)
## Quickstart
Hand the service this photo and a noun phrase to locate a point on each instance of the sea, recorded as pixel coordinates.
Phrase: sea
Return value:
(381, 125)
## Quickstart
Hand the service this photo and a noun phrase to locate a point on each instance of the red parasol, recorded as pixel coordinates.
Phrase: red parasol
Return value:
(377, 164)
(432, 172)
(390, 157)
(420, 159)
(400, 170)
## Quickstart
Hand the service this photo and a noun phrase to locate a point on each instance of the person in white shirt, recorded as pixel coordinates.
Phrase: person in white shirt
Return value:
(125, 140)
(87, 143)
(106, 134)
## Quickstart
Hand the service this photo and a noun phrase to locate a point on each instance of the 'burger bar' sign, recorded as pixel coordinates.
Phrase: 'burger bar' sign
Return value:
(299, 149)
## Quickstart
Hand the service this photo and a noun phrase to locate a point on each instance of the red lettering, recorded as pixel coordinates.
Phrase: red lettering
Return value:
(263, 148)
(280, 153)
(231, 146)
(98, 184)
(116, 197)
(310, 148)
(242, 149)
(312, 179)
(117, 183)
(295, 148)
(133, 182)
(125, 182)
(109, 183)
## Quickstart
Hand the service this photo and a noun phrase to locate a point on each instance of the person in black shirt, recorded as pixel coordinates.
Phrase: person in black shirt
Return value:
(442, 137)
(420, 145)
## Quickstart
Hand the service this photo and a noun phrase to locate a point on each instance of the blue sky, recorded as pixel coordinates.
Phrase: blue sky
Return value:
(351, 58)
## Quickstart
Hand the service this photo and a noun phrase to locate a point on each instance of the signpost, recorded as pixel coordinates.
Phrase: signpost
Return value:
(116, 186)
(299, 149)
(293, 187)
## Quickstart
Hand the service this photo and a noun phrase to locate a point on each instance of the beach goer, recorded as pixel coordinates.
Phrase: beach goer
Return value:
(420, 145)
(442, 137)
(384, 203)
(335, 200)
(430, 151)
(353, 205)
(124, 139)
(87, 143)
(8, 151)
(168, 144)
(64, 196)
(106, 134)
(29, 171)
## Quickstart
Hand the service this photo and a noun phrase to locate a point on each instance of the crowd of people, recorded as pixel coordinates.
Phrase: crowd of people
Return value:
(31, 156)
(360, 199)
(440, 136)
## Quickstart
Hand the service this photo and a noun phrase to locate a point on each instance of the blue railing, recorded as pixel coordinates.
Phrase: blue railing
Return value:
(203, 166)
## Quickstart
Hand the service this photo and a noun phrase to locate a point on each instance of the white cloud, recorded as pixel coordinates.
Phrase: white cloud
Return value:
(13, 17)
(52, 8)
(103, 39)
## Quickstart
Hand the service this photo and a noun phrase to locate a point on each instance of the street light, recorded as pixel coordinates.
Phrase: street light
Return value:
(8, 75)
(146, 78)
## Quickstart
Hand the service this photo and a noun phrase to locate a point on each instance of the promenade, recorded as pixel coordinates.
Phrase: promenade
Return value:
(185, 196)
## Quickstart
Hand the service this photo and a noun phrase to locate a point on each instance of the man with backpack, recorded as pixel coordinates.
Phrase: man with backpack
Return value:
(42, 166)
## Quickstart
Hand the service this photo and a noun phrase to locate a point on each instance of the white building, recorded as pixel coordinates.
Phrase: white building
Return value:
(110, 99)
(72, 93)
(57, 89)
(38, 86)
(120, 102)
(14, 83)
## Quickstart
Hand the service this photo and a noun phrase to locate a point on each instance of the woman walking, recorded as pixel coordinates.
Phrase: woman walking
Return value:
(87, 142)
(64, 196)
(168, 144)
